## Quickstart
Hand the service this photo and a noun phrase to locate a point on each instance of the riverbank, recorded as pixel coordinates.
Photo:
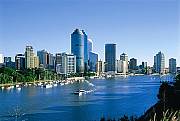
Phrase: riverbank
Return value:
(72, 79)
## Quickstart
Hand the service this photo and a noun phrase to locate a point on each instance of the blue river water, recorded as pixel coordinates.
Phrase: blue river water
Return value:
(113, 98)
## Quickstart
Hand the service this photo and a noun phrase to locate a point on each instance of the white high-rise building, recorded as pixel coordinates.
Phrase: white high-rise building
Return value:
(71, 63)
(159, 63)
(99, 68)
(119, 66)
(1, 58)
(124, 63)
(65, 63)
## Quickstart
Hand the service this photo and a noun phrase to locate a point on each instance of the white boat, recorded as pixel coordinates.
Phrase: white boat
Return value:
(47, 86)
(2, 87)
(55, 85)
(80, 92)
(17, 85)
(29, 84)
(19, 88)
(62, 84)
(39, 84)
(12, 87)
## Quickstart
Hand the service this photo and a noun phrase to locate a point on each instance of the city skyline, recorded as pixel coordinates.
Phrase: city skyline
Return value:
(130, 29)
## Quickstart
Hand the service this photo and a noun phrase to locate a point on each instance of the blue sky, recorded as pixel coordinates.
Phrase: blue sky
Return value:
(140, 28)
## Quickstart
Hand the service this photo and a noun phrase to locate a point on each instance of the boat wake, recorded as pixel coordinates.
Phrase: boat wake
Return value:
(89, 83)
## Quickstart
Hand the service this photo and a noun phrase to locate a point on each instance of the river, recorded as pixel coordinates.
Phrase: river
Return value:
(112, 98)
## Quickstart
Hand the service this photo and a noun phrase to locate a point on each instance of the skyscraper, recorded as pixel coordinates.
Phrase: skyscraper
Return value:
(110, 57)
(20, 61)
(124, 59)
(93, 59)
(42, 54)
(7, 59)
(90, 45)
(31, 61)
(99, 68)
(119, 64)
(144, 65)
(36, 62)
(77, 48)
(71, 63)
(8, 62)
(159, 63)
(50, 61)
(86, 51)
(61, 65)
(133, 64)
(65, 63)
(29, 57)
(172, 66)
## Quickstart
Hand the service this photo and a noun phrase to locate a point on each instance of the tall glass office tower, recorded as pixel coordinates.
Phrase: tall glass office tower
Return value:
(110, 57)
(42, 54)
(172, 66)
(86, 52)
(77, 48)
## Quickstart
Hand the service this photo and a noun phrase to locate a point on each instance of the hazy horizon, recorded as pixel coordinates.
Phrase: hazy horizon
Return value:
(140, 28)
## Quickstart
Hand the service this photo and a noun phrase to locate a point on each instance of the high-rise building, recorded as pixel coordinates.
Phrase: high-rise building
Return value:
(65, 63)
(119, 64)
(31, 61)
(90, 45)
(8, 62)
(124, 59)
(61, 65)
(86, 51)
(42, 54)
(36, 62)
(20, 61)
(144, 65)
(50, 61)
(99, 68)
(29, 57)
(7, 59)
(93, 59)
(133, 64)
(77, 49)
(172, 66)
(159, 63)
(1, 58)
(57, 59)
(110, 57)
(71, 63)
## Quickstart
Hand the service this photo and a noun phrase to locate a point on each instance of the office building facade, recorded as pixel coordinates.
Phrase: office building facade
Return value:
(42, 54)
(65, 63)
(20, 62)
(133, 64)
(93, 59)
(110, 57)
(172, 66)
(77, 49)
(124, 63)
(159, 63)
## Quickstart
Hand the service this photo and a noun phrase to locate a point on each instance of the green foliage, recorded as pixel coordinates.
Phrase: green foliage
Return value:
(89, 74)
(9, 75)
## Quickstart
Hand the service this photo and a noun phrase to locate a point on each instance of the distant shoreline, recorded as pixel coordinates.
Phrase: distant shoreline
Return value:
(38, 81)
